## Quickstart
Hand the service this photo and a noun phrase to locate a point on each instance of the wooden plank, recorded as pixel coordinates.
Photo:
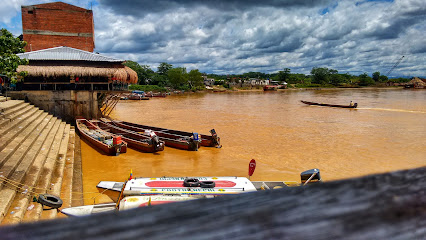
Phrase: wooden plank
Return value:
(385, 206)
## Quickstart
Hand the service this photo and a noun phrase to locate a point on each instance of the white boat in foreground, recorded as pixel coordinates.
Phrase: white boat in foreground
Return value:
(177, 186)
(195, 186)
(126, 203)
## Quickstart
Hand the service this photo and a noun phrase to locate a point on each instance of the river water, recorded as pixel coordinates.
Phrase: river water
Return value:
(386, 132)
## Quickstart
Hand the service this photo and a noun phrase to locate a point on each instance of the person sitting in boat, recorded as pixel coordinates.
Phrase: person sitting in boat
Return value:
(351, 104)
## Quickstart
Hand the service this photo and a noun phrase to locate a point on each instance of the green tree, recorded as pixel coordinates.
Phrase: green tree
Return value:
(9, 61)
(144, 71)
(160, 80)
(336, 79)
(383, 78)
(296, 78)
(320, 75)
(195, 78)
(178, 77)
(284, 75)
(163, 68)
(376, 76)
(365, 80)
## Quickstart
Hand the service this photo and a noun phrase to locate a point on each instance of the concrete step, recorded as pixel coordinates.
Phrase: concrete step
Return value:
(8, 122)
(3, 99)
(5, 106)
(44, 183)
(8, 112)
(10, 142)
(67, 182)
(12, 129)
(22, 144)
(77, 178)
(23, 202)
(58, 172)
(17, 165)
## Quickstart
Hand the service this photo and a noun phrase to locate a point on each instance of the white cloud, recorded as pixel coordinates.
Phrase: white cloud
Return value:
(241, 36)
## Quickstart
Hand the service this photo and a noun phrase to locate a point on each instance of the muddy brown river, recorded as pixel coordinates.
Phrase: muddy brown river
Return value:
(386, 132)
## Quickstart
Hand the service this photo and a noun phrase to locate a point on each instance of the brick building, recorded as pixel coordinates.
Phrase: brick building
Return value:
(57, 24)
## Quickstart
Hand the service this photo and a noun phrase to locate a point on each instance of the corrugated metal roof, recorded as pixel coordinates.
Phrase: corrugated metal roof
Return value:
(66, 53)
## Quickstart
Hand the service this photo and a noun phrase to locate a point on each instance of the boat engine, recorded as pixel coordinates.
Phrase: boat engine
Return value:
(117, 142)
(195, 141)
(310, 176)
(215, 138)
(155, 141)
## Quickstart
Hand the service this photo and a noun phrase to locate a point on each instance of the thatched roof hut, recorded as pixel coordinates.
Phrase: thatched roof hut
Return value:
(123, 74)
(417, 83)
(65, 66)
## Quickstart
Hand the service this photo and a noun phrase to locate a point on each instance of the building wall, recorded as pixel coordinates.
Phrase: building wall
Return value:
(57, 24)
(63, 104)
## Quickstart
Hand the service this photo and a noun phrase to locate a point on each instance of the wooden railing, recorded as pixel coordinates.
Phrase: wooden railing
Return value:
(385, 206)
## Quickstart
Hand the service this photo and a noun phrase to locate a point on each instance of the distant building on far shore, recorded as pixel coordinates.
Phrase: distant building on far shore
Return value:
(208, 81)
(57, 24)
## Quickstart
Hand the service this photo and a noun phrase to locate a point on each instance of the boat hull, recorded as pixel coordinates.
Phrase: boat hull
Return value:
(330, 105)
(206, 140)
(126, 203)
(171, 140)
(134, 140)
(176, 186)
(82, 124)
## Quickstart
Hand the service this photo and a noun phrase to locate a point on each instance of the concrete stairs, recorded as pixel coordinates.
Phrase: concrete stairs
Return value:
(4, 99)
(36, 157)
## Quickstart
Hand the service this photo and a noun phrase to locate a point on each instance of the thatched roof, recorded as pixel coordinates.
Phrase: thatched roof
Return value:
(123, 74)
(417, 82)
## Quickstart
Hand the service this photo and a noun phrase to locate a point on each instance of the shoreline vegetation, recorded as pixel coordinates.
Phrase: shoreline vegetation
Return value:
(170, 79)
(220, 88)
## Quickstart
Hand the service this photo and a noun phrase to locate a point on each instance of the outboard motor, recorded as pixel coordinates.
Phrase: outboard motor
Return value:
(195, 140)
(215, 138)
(117, 143)
(310, 176)
(155, 141)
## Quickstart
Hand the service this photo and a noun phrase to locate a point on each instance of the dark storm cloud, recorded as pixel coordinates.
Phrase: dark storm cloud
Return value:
(138, 8)
(267, 36)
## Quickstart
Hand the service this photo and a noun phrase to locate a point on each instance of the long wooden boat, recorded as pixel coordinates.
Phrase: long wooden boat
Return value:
(196, 186)
(190, 143)
(108, 143)
(137, 95)
(143, 142)
(155, 94)
(355, 105)
(270, 88)
(126, 203)
(212, 140)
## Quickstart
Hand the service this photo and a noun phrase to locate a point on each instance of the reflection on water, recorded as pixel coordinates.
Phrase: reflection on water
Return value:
(386, 133)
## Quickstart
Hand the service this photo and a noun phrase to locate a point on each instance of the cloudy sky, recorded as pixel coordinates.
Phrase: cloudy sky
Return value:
(237, 36)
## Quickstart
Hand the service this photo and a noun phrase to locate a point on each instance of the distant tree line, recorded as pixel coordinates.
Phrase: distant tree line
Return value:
(320, 76)
(179, 78)
(167, 76)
